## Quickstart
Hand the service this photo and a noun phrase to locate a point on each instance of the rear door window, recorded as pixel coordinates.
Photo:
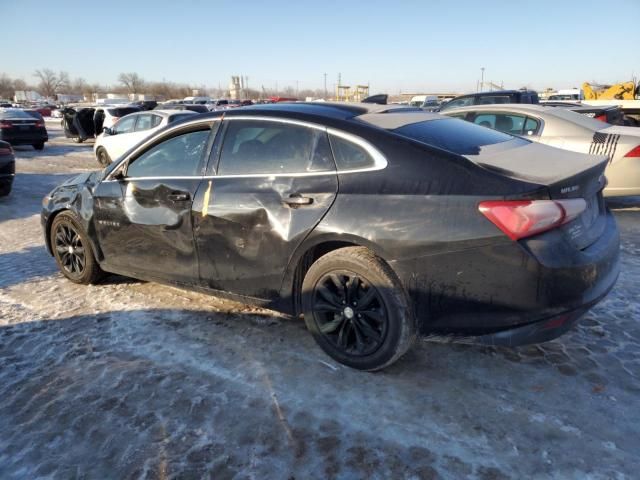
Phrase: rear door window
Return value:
(349, 155)
(144, 122)
(254, 147)
(506, 123)
(155, 120)
(531, 126)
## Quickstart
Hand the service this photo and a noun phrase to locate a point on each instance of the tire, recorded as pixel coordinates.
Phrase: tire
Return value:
(78, 140)
(39, 146)
(5, 190)
(369, 336)
(78, 266)
(103, 157)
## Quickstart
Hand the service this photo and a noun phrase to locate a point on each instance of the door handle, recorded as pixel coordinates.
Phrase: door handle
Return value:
(296, 200)
(179, 197)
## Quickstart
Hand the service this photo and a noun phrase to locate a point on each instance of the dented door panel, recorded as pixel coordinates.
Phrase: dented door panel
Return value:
(247, 232)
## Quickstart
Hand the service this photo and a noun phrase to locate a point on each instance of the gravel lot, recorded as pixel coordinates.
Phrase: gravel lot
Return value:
(136, 380)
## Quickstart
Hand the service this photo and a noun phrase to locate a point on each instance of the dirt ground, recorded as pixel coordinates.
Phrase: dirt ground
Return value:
(128, 379)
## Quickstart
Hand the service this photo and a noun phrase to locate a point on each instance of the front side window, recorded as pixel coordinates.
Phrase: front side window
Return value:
(176, 157)
(253, 147)
(126, 125)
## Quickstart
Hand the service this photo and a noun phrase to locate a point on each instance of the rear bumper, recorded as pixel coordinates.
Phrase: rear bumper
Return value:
(510, 291)
(15, 138)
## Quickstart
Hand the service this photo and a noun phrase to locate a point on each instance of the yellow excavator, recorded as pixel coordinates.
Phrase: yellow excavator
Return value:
(619, 91)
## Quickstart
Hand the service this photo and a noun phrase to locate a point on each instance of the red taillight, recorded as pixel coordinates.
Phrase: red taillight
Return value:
(5, 151)
(6, 125)
(635, 153)
(602, 118)
(39, 124)
(523, 218)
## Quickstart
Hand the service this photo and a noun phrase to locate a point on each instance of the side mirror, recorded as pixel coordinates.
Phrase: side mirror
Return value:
(108, 131)
(119, 175)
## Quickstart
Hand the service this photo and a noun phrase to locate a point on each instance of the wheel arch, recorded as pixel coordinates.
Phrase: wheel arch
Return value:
(309, 252)
(52, 216)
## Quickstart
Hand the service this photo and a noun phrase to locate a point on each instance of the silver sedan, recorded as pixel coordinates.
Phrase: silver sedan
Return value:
(568, 130)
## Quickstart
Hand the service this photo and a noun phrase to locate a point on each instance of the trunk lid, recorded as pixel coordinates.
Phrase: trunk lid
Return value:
(565, 175)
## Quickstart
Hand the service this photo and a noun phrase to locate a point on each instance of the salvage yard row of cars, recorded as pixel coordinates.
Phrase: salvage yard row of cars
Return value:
(378, 223)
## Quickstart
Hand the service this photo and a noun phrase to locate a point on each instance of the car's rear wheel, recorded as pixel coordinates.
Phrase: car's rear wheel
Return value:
(78, 140)
(5, 190)
(103, 157)
(72, 250)
(39, 146)
(357, 310)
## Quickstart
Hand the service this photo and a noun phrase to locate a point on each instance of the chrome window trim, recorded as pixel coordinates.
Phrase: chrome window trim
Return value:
(300, 123)
(206, 122)
(379, 160)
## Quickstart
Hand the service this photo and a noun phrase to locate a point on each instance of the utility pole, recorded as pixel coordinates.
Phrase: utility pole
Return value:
(482, 79)
(325, 86)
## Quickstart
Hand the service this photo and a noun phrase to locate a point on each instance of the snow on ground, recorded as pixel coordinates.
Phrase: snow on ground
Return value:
(128, 379)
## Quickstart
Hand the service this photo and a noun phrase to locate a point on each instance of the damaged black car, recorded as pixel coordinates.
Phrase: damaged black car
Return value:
(376, 225)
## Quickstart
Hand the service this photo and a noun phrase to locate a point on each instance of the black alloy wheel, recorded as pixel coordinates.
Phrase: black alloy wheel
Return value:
(70, 250)
(350, 313)
(356, 308)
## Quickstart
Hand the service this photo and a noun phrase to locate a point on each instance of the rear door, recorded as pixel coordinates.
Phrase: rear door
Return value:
(143, 221)
(275, 181)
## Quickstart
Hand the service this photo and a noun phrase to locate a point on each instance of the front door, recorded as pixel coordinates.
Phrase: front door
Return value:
(275, 181)
(143, 220)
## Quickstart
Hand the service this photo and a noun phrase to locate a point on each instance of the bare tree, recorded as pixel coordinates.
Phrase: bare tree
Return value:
(50, 82)
(6, 87)
(132, 82)
(78, 86)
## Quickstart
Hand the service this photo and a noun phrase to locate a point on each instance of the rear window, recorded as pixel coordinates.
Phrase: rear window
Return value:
(454, 135)
(121, 112)
(10, 114)
(175, 118)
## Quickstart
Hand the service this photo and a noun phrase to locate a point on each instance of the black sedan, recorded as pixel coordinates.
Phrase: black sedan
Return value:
(377, 225)
(7, 168)
(19, 128)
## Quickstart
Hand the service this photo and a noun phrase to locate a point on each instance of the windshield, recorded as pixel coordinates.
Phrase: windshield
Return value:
(454, 135)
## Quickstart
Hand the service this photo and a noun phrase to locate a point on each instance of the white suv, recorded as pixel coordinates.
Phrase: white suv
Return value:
(132, 129)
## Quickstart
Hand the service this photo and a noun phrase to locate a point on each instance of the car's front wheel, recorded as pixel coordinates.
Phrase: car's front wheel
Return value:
(78, 140)
(357, 310)
(72, 250)
(103, 157)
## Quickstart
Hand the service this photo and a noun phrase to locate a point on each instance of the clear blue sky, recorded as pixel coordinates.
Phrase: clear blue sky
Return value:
(394, 45)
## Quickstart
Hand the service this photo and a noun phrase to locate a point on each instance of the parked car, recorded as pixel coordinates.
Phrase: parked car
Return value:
(130, 130)
(88, 122)
(376, 226)
(569, 130)
(485, 98)
(145, 104)
(19, 128)
(183, 106)
(7, 168)
(611, 114)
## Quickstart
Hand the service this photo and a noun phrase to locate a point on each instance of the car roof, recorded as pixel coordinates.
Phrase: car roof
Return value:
(167, 113)
(337, 110)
